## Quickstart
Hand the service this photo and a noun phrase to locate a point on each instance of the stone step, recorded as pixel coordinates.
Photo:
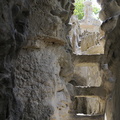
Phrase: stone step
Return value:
(87, 60)
(90, 92)
(86, 117)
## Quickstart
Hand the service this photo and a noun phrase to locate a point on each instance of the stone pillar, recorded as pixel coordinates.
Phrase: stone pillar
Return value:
(75, 34)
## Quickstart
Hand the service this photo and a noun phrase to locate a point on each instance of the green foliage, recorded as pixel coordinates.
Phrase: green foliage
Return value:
(79, 9)
(96, 10)
(79, 6)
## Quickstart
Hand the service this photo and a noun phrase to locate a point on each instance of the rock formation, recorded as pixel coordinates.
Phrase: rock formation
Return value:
(13, 33)
(35, 59)
(110, 15)
(40, 78)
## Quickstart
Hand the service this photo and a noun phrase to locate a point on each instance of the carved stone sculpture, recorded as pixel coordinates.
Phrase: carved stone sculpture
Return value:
(75, 34)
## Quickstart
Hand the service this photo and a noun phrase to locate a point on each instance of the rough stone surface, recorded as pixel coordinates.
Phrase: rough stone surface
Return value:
(110, 14)
(38, 90)
(36, 67)
(41, 78)
(89, 76)
(13, 33)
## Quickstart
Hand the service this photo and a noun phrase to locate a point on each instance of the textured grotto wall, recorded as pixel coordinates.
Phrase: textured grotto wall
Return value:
(41, 78)
(43, 67)
(110, 15)
(13, 31)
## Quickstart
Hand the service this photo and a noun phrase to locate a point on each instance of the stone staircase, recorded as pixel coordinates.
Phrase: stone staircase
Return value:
(88, 51)
(87, 60)
(89, 91)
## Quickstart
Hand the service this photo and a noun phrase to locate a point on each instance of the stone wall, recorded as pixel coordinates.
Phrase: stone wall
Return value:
(13, 33)
(35, 60)
(34, 47)
(41, 78)
(110, 15)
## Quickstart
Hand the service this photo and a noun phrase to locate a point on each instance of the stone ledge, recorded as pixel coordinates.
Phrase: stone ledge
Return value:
(53, 40)
(79, 59)
(34, 43)
(86, 117)
(91, 92)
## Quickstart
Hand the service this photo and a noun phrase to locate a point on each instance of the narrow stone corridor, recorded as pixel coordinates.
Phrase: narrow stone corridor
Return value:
(54, 66)
(87, 41)
(90, 91)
